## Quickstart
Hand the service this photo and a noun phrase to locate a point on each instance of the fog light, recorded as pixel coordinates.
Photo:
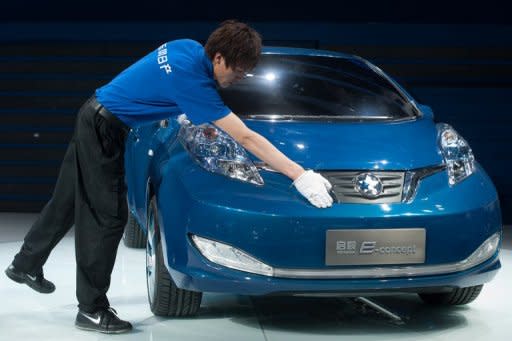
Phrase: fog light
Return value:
(231, 257)
(485, 251)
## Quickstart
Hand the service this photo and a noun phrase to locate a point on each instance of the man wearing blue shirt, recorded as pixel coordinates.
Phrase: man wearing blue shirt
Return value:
(180, 76)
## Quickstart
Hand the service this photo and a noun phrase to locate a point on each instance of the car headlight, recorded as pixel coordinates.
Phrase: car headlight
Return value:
(457, 154)
(217, 152)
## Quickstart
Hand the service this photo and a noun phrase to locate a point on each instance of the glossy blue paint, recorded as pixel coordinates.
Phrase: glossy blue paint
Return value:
(355, 145)
(276, 225)
(427, 111)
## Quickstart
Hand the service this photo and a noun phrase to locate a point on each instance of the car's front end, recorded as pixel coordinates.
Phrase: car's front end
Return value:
(232, 236)
(413, 210)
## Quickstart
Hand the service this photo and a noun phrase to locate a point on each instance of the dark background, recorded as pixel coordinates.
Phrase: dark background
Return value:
(434, 11)
(454, 56)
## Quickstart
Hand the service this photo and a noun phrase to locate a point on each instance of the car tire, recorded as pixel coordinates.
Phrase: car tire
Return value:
(134, 237)
(165, 298)
(458, 296)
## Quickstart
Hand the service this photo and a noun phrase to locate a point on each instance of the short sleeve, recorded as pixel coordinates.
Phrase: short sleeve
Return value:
(197, 96)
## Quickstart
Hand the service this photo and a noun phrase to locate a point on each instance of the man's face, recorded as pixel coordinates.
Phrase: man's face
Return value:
(225, 76)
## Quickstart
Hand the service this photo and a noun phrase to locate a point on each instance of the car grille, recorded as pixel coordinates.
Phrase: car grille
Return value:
(344, 189)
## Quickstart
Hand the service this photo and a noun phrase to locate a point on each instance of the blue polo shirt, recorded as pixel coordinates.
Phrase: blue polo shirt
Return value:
(174, 79)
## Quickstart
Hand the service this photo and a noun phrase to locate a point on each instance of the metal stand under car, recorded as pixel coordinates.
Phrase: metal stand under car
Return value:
(379, 308)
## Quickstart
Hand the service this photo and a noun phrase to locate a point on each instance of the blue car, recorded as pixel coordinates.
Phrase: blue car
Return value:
(413, 210)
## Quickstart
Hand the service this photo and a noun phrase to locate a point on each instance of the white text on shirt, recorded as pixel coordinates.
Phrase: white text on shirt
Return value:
(162, 59)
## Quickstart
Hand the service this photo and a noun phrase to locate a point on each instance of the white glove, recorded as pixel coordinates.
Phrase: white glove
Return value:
(182, 118)
(315, 188)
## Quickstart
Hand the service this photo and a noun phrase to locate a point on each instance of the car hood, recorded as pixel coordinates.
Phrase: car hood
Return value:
(354, 145)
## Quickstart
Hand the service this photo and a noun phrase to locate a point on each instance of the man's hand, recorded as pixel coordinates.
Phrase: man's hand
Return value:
(315, 188)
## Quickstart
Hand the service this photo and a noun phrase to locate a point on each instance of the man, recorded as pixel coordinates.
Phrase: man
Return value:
(178, 77)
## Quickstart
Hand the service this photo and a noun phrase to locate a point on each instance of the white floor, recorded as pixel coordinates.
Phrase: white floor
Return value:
(27, 315)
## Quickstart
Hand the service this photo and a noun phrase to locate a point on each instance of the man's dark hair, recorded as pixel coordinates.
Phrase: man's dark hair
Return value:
(238, 43)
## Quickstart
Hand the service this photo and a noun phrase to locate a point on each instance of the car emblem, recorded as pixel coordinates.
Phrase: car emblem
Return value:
(368, 185)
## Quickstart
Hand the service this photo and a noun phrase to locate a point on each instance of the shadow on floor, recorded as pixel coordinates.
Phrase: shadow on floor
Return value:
(337, 316)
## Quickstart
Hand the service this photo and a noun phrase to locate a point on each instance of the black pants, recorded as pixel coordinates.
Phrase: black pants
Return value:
(90, 193)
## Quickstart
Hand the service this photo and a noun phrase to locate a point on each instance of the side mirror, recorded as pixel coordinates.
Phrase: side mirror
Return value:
(426, 111)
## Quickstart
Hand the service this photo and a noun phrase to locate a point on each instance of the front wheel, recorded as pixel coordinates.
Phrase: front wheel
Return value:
(165, 298)
(133, 236)
(458, 296)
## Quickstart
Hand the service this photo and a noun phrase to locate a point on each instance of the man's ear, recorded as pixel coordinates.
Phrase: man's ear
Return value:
(217, 58)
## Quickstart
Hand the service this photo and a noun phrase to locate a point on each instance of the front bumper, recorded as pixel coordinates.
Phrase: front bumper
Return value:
(213, 278)
(276, 225)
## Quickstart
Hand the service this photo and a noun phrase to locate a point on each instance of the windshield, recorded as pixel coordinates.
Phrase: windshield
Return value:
(315, 87)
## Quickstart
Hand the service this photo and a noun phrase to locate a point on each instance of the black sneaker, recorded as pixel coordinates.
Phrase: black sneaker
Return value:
(104, 320)
(37, 282)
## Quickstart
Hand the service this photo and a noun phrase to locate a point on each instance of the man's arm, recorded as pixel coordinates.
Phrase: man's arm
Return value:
(259, 146)
(310, 184)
